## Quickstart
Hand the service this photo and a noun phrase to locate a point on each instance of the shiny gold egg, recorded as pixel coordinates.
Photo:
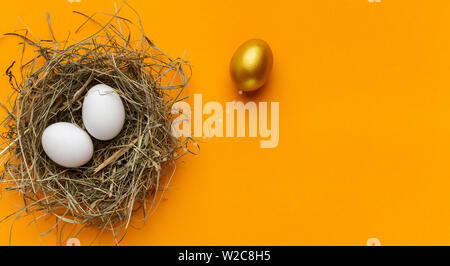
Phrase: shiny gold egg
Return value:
(251, 65)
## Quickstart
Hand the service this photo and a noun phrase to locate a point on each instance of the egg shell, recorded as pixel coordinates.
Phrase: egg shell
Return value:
(67, 145)
(103, 112)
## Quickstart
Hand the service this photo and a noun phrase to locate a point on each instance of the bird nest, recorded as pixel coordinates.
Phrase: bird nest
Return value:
(126, 174)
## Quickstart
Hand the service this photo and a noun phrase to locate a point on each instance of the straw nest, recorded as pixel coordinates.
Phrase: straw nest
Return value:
(127, 173)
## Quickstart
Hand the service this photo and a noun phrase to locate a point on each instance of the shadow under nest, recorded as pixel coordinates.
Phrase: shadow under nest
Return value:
(126, 173)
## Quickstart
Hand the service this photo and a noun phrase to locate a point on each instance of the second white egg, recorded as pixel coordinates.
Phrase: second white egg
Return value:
(67, 144)
(103, 112)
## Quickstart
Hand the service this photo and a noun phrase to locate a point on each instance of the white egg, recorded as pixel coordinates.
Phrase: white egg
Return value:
(103, 112)
(67, 144)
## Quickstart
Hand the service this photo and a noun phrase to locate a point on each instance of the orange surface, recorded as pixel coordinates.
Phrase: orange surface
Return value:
(364, 92)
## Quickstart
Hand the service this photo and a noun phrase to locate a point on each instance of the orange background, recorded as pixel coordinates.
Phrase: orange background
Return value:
(364, 151)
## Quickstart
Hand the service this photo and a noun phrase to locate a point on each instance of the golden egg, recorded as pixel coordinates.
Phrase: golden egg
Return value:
(251, 65)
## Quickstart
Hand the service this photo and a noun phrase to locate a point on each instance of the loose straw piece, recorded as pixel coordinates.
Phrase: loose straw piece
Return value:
(114, 157)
